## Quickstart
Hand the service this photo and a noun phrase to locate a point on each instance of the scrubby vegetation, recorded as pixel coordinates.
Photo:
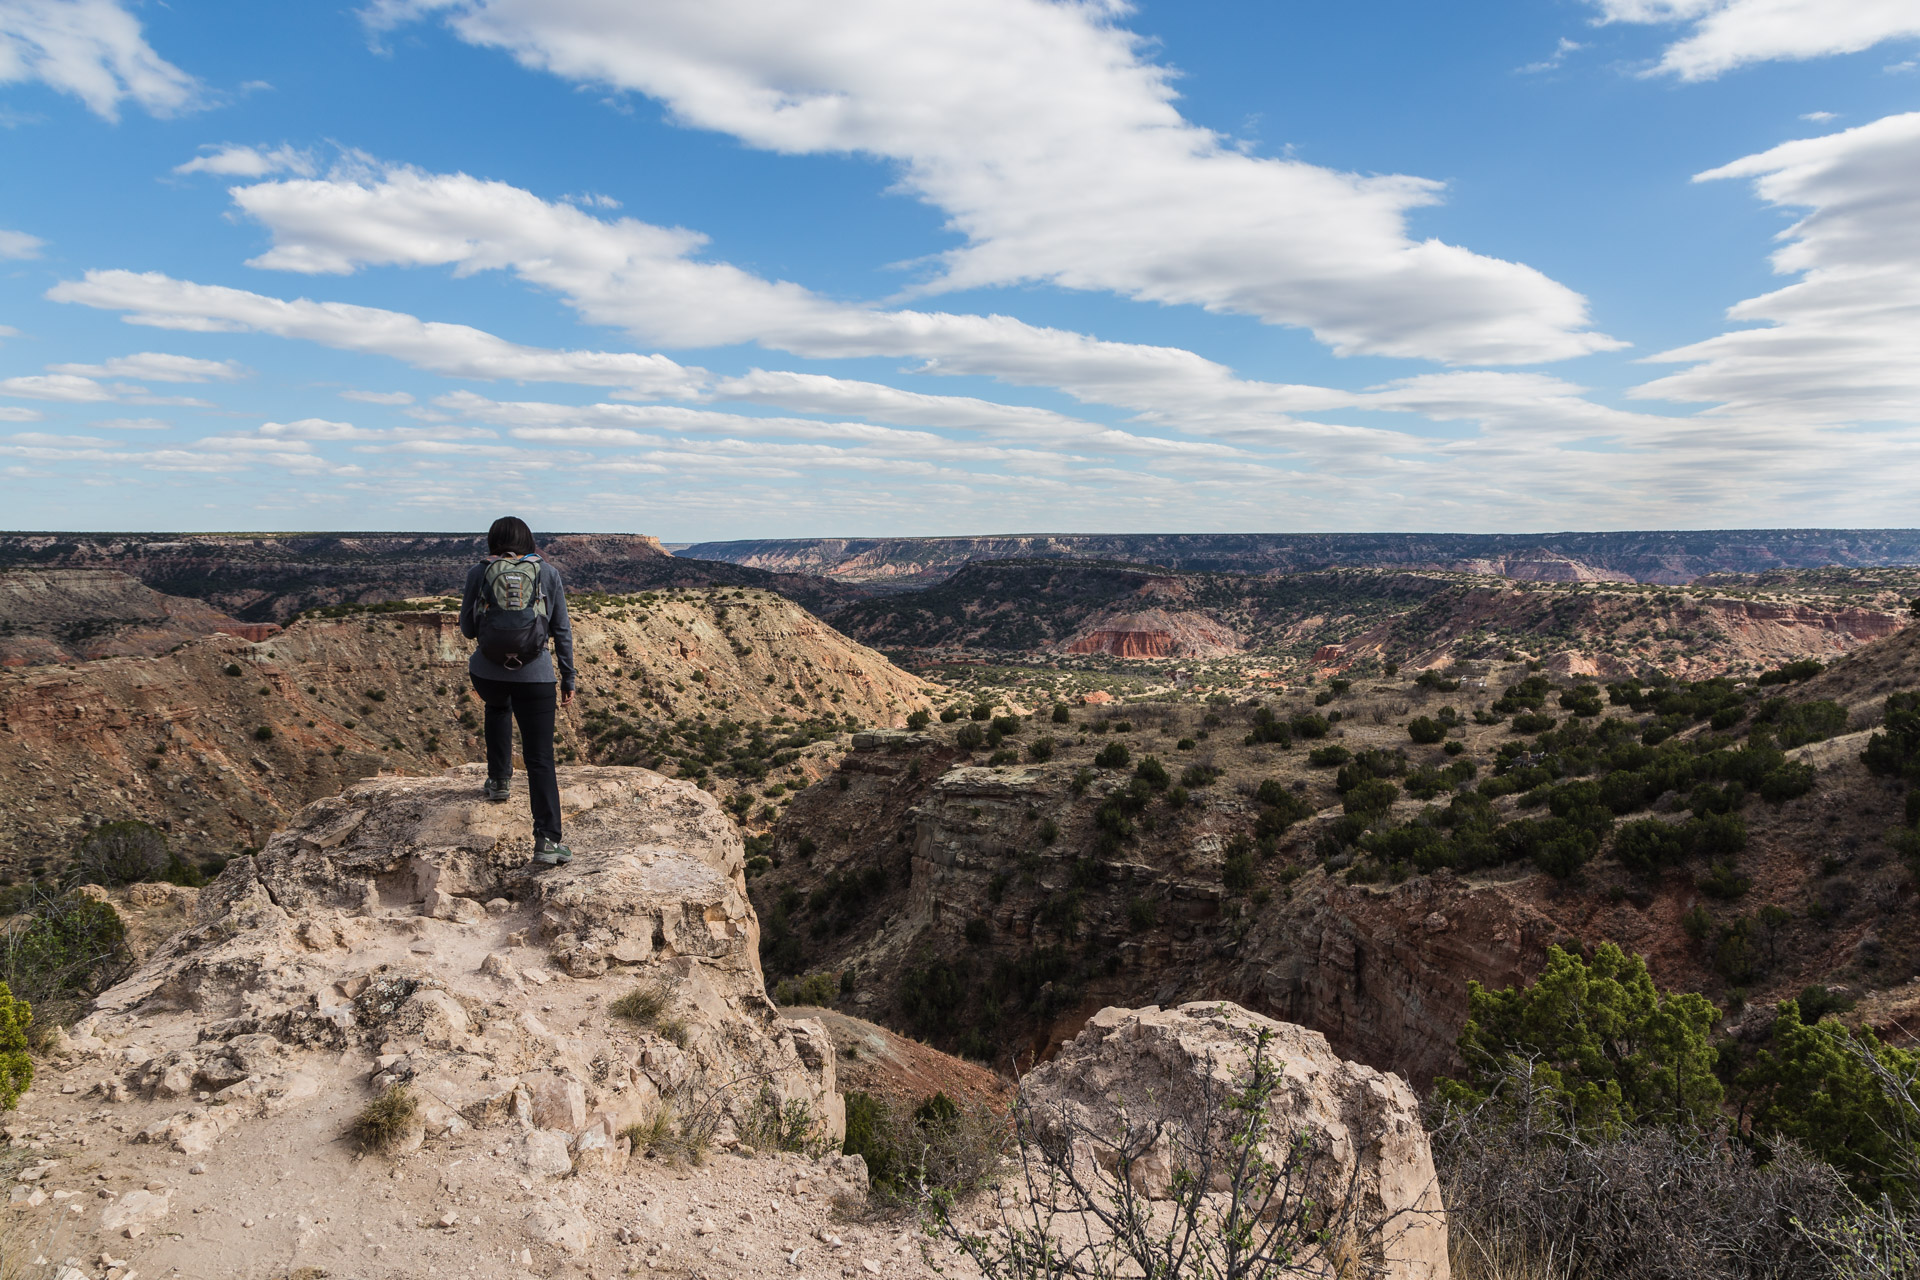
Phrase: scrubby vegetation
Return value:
(1599, 1132)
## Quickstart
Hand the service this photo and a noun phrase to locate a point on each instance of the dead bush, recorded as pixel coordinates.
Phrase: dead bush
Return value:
(1527, 1194)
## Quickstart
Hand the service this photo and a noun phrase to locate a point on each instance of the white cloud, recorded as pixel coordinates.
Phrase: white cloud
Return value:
(20, 245)
(455, 350)
(157, 366)
(57, 386)
(1554, 60)
(19, 413)
(232, 160)
(93, 50)
(314, 429)
(1819, 117)
(1733, 33)
(378, 397)
(1055, 148)
(134, 424)
(1837, 345)
(643, 279)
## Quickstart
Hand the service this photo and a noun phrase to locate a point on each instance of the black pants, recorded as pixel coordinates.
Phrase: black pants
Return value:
(533, 705)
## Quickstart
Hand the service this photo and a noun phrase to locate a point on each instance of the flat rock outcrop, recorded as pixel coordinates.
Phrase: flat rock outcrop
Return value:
(395, 935)
(1360, 1139)
(402, 920)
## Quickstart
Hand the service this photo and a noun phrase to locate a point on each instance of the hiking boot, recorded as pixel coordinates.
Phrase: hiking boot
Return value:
(494, 790)
(551, 853)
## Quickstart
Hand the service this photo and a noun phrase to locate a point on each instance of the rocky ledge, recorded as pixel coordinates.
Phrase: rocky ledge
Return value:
(397, 935)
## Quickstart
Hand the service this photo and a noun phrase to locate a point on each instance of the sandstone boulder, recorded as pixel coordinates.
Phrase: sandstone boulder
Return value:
(1142, 1068)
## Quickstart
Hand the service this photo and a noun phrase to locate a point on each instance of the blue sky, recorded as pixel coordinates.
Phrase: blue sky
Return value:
(761, 268)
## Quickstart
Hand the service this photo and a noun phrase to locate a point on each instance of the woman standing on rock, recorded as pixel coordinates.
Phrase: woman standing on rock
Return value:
(514, 604)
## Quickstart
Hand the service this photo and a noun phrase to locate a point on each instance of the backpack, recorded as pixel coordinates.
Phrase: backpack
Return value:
(512, 626)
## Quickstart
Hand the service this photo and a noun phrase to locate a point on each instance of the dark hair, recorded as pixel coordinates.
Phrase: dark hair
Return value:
(510, 536)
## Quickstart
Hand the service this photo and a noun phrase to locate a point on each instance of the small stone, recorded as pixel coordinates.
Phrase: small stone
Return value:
(872, 1267)
(449, 1220)
(198, 1167)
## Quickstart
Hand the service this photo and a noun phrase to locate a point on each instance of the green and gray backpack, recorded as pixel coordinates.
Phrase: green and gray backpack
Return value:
(512, 628)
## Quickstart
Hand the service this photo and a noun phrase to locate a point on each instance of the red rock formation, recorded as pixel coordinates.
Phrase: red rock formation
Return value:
(1155, 633)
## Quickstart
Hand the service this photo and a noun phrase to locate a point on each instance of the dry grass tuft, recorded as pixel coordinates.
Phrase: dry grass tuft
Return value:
(383, 1123)
(646, 1006)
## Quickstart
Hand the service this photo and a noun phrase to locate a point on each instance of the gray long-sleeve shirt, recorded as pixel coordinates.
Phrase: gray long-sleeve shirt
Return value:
(559, 629)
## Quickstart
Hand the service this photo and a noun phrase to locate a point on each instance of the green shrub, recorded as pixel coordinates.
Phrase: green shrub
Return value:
(1328, 757)
(970, 737)
(232, 669)
(1533, 722)
(978, 932)
(1426, 730)
(16, 1066)
(1236, 873)
(1582, 700)
(1040, 750)
(949, 714)
(1113, 756)
(1061, 715)
(1603, 1042)
(1309, 726)
(263, 734)
(1816, 1084)
(917, 720)
(1151, 772)
(982, 711)
(1141, 913)
(1804, 669)
(1199, 775)
(1266, 728)
(815, 988)
(60, 951)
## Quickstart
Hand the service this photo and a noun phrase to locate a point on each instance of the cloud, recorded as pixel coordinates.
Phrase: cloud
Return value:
(1553, 61)
(1835, 346)
(57, 386)
(644, 279)
(19, 413)
(1055, 148)
(134, 424)
(232, 160)
(378, 397)
(20, 245)
(455, 350)
(1734, 33)
(156, 366)
(314, 429)
(1819, 117)
(93, 50)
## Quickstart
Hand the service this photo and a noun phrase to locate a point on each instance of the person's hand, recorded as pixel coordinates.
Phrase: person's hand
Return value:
(566, 697)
